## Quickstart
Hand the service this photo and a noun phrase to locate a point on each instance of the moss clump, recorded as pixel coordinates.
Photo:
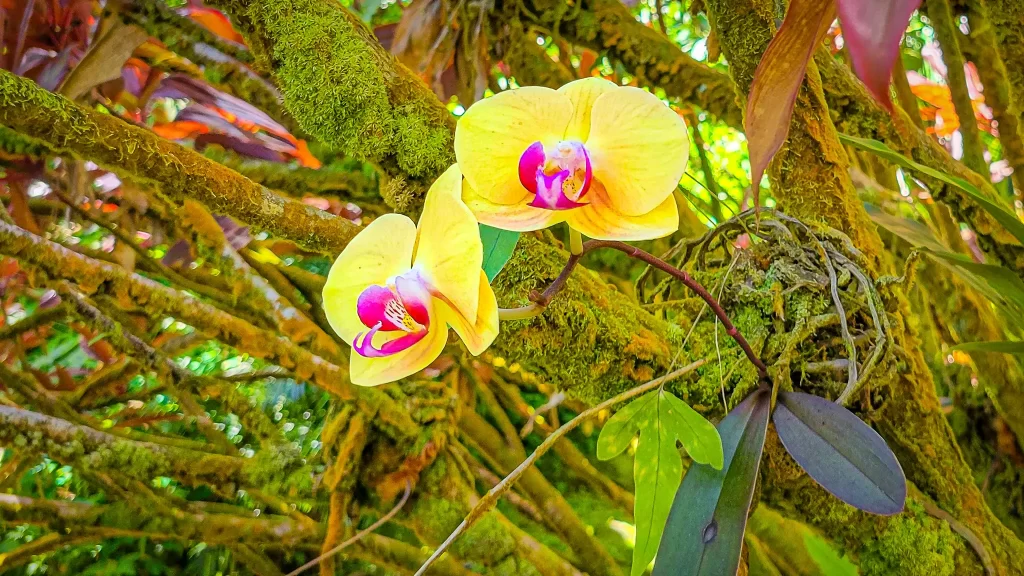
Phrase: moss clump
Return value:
(592, 341)
(912, 545)
(344, 88)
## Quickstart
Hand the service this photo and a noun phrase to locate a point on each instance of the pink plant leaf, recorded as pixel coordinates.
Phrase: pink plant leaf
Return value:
(872, 30)
(777, 82)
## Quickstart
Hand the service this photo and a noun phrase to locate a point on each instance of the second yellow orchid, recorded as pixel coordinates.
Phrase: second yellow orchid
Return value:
(602, 157)
(395, 289)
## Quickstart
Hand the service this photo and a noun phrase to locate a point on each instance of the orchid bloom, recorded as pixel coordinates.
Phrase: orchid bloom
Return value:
(395, 289)
(602, 157)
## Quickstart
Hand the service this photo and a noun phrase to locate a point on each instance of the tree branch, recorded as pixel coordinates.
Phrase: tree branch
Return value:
(178, 172)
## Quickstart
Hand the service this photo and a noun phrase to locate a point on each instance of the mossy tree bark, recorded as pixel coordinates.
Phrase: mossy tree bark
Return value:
(809, 178)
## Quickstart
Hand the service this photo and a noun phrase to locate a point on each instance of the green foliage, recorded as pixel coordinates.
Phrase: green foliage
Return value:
(498, 248)
(1009, 221)
(830, 562)
(662, 420)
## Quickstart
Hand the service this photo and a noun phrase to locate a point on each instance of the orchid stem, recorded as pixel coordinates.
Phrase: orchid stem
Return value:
(686, 279)
(575, 242)
(540, 301)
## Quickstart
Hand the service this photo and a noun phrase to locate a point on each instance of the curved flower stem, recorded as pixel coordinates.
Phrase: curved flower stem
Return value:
(492, 496)
(539, 302)
(682, 276)
(575, 241)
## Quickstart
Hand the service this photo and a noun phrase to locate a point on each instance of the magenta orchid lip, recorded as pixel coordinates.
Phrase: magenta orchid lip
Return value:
(558, 176)
(401, 306)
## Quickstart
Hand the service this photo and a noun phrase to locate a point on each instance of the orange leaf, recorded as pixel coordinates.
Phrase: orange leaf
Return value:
(216, 22)
(304, 156)
(179, 130)
(777, 82)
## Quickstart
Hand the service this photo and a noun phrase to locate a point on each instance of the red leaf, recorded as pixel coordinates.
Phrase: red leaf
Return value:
(872, 30)
(777, 81)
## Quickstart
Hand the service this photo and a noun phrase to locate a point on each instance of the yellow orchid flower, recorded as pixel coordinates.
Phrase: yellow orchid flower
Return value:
(395, 289)
(602, 157)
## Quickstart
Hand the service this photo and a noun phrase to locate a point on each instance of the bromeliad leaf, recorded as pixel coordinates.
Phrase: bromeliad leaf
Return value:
(662, 420)
(498, 248)
(840, 452)
(1002, 287)
(1003, 347)
(912, 231)
(777, 81)
(997, 283)
(704, 533)
(872, 30)
(1006, 218)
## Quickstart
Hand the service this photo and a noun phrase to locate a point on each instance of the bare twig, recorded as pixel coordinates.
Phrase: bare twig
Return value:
(492, 496)
(359, 535)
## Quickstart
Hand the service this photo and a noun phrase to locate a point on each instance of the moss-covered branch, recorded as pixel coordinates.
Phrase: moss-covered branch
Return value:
(178, 172)
(608, 27)
(94, 450)
(909, 417)
(946, 32)
(345, 89)
(212, 527)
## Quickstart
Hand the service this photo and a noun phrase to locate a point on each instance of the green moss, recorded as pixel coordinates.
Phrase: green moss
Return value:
(913, 544)
(591, 341)
(342, 86)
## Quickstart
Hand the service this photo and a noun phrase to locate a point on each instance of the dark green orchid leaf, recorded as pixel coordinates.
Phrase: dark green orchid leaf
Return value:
(840, 452)
(1002, 215)
(704, 533)
(662, 420)
(498, 247)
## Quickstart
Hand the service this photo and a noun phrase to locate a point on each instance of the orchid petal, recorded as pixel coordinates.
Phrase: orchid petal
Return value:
(363, 344)
(492, 135)
(365, 371)
(530, 163)
(520, 217)
(582, 93)
(449, 252)
(479, 334)
(380, 251)
(600, 220)
(638, 147)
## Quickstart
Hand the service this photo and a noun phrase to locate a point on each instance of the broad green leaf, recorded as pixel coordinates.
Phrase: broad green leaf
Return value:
(1008, 219)
(498, 247)
(662, 420)
(704, 532)
(840, 452)
(698, 436)
(827, 559)
(1001, 347)
(622, 427)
